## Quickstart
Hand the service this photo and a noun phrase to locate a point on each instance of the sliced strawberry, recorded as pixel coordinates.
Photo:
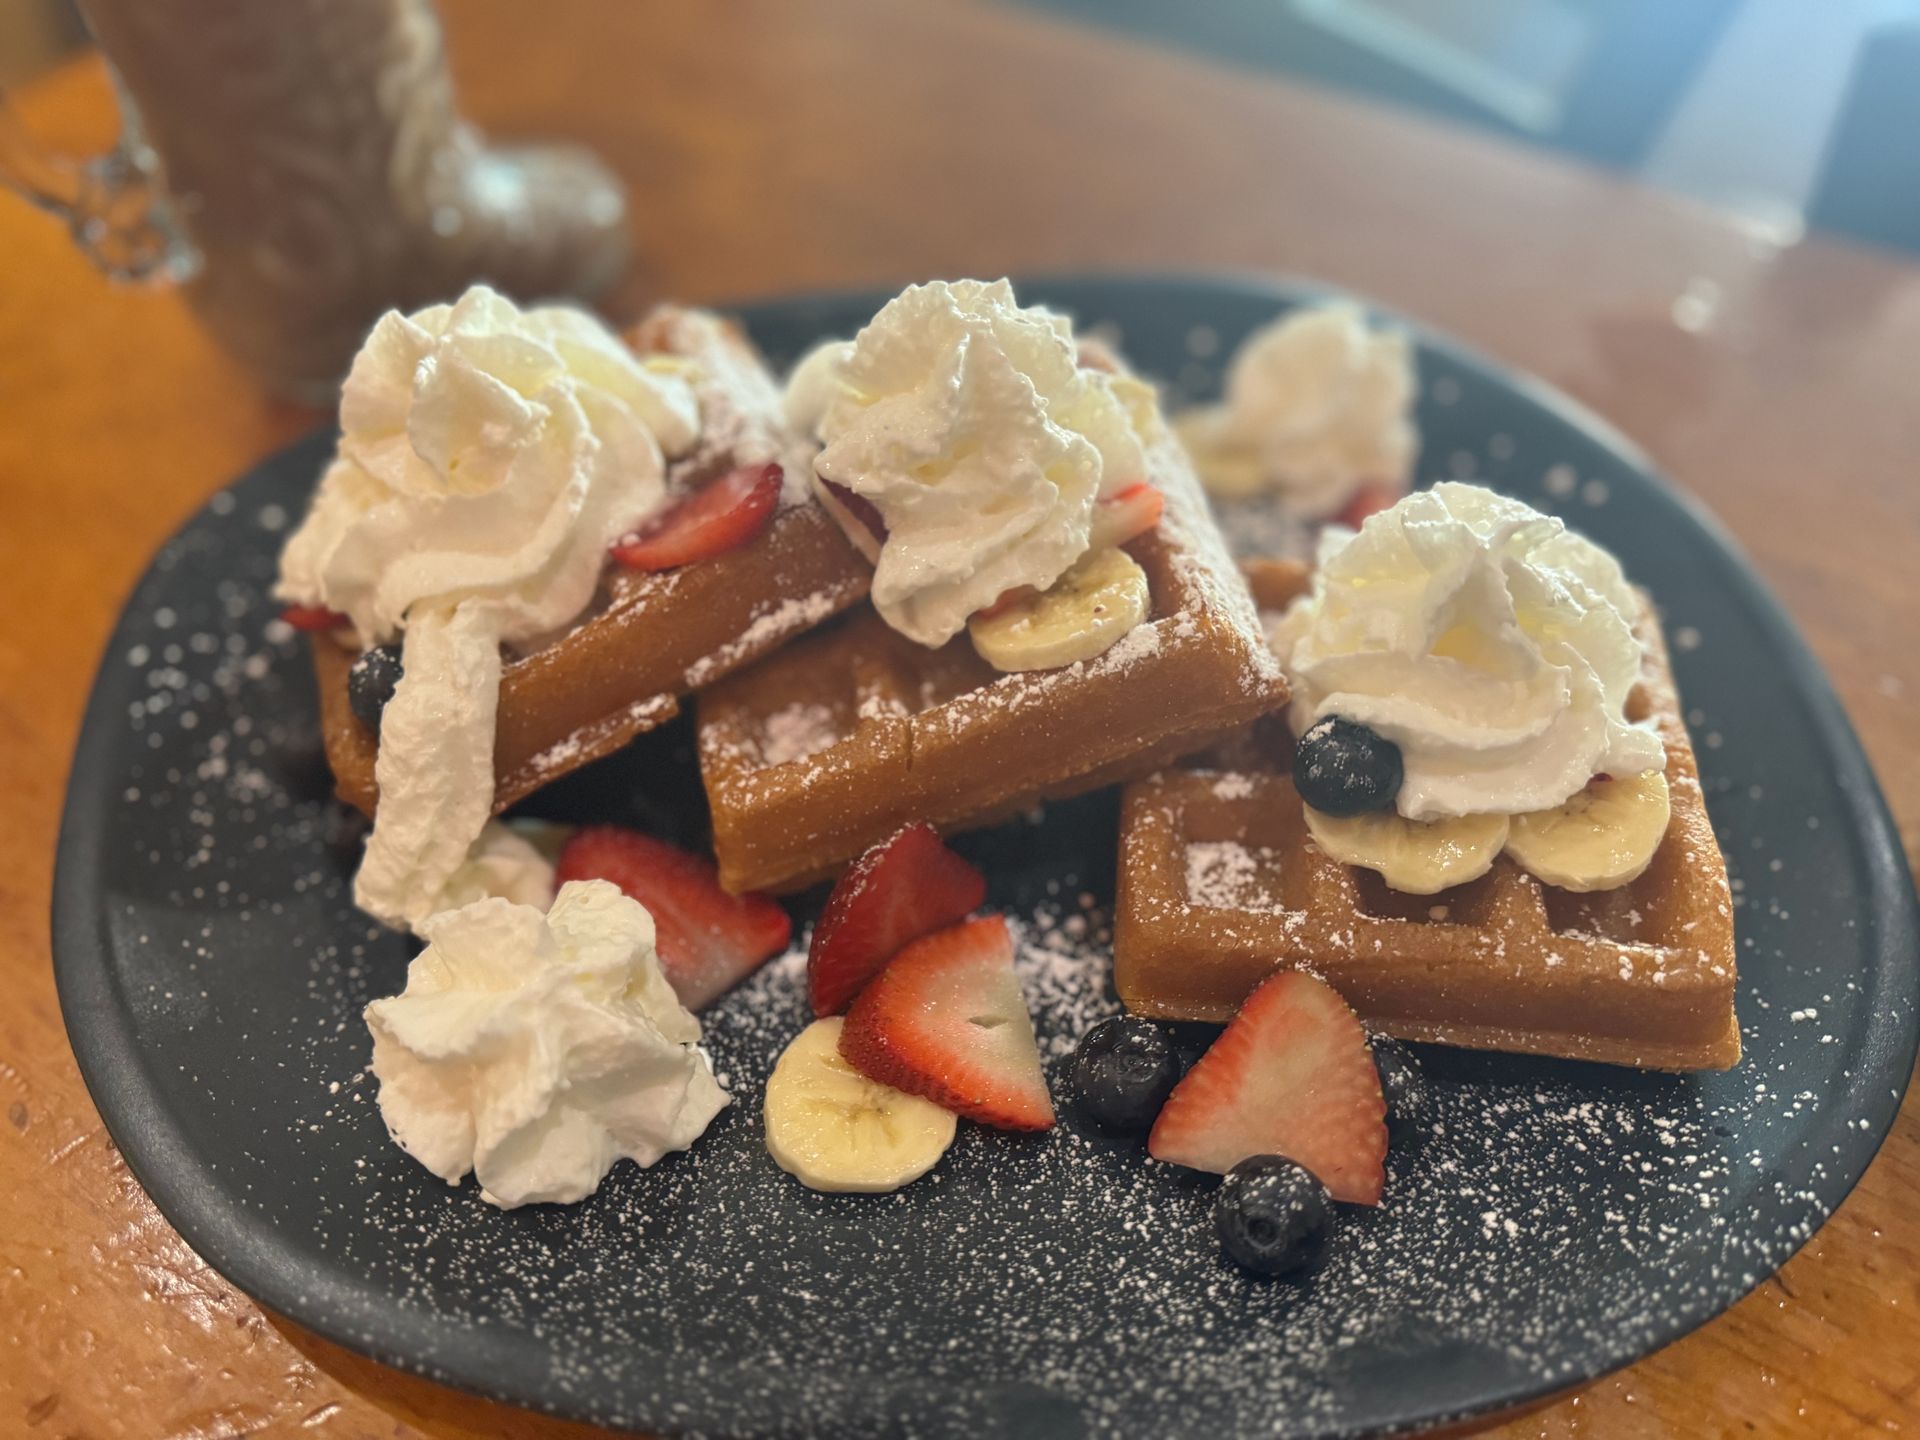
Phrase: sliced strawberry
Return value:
(864, 511)
(313, 618)
(720, 515)
(1121, 516)
(709, 941)
(946, 1020)
(899, 890)
(1369, 499)
(1291, 1075)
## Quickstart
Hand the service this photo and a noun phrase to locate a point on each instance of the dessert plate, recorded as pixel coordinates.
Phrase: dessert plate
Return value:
(1558, 1221)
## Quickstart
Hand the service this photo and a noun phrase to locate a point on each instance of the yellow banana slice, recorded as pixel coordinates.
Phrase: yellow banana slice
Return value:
(833, 1129)
(1081, 615)
(1600, 839)
(1418, 857)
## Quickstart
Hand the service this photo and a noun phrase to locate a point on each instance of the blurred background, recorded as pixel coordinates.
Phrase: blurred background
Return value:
(1791, 115)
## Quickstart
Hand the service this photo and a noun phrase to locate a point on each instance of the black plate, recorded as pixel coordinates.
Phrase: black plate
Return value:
(1561, 1221)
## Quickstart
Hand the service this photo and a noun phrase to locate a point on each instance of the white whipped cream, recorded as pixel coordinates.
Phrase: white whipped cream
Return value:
(512, 860)
(1491, 644)
(969, 423)
(535, 1050)
(488, 458)
(1317, 405)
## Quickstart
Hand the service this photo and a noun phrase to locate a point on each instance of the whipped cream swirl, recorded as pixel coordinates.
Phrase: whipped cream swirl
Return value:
(535, 1050)
(969, 423)
(1492, 645)
(1317, 405)
(489, 456)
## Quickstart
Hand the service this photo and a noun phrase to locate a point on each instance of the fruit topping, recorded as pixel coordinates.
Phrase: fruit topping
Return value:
(901, 889)
(1290, 1075)
(1273, 1217)
(832, 1128)
(719, 516)
(1416, 857)
(1600, 839)
(1081, 615)
(1403, 1086)
(1369, 499)
(1343, 768)
(946, 1020)
(313, 618)
(371, 682)
(1123, 515)
(1123, 1071)
(709, 941)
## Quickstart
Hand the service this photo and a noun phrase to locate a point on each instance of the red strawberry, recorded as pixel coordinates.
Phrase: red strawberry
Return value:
(313, 618)
(1370, 499)
(946, 1020)
(863, 510)
(1291, 1075)
(899, 890)
(1118, 518)
(718, 516)
(709, 941)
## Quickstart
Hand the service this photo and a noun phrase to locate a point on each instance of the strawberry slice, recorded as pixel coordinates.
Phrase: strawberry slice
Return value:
(899, 890)
(1291, 1075)
(1125, 514)
(864, 511)
(314, 619)
(1369, 499)
(719, 516)
(709, 941)
(946, 1020)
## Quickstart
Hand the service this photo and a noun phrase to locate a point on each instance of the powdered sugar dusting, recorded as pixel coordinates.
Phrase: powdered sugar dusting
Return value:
(1225, 875)
(1551, 1220)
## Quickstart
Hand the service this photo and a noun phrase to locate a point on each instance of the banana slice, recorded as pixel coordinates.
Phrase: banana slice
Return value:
(1081, 615)
(1417, 857)
(1600, 839)
(833, 1129)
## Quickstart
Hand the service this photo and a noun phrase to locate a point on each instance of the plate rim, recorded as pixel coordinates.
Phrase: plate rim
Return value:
(238, 1244)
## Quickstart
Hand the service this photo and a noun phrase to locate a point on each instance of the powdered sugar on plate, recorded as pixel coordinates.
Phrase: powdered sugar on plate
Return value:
(1552, 1221)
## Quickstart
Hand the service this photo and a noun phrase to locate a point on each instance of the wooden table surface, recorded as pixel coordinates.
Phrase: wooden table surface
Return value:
(773, 146)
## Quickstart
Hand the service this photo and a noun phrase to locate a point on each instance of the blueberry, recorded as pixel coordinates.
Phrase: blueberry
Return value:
(1273, 1217)
(1122, 1073)
(371, 681)
(1403, 1085)
(1343, 768)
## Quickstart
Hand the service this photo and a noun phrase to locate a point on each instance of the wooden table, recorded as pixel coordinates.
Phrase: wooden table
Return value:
(773, 146)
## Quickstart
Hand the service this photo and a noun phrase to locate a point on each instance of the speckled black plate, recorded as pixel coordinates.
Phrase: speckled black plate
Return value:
(1559, 1221)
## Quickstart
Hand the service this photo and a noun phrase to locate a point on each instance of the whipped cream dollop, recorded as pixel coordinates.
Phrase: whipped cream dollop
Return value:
(488, 458)
(968, 422)
(1317, 405)
(1491, 644)
(512, 860)
(536, 1049)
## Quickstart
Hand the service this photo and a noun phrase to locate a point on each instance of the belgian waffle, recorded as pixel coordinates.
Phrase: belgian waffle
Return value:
(827, 747)
(1219, 884)
(650, 638)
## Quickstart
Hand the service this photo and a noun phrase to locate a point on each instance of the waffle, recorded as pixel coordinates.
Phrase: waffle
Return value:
(649, 638)
(1219, 884)
(829, 746)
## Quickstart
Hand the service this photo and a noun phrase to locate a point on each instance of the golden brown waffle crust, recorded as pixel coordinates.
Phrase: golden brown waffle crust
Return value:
(649, 638)
(828, 747)
(1219, 884)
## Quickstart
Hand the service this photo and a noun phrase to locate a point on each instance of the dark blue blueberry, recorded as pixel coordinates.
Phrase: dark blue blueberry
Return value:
(371, 681)
(1343, 768)
(1403, 1085)
(1273, 1217)
(1122, 1073)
